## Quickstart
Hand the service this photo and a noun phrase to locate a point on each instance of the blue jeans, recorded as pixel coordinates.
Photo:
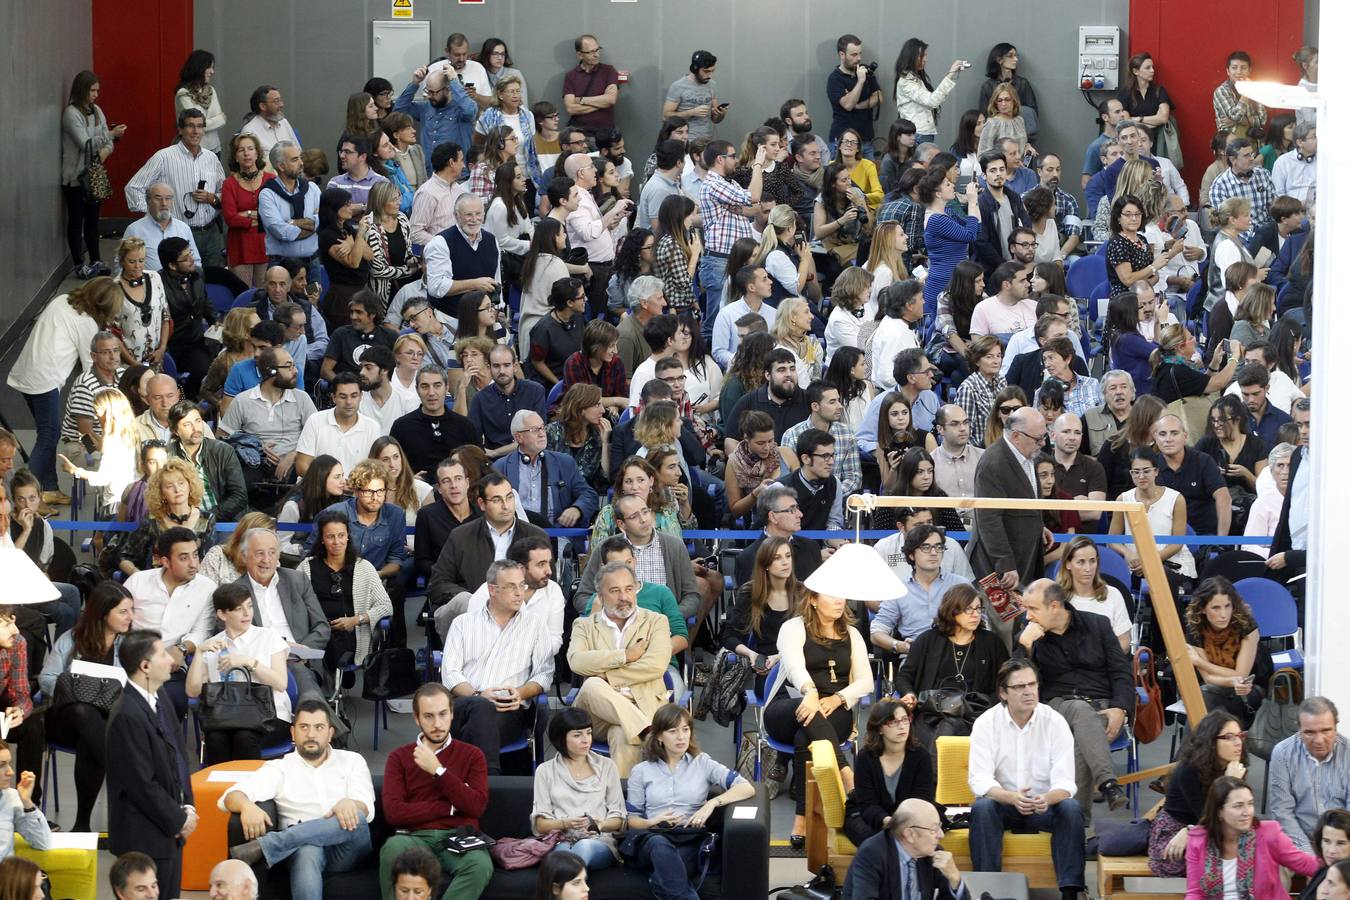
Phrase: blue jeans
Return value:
(316, 847)
(925, 139)
(712, 271)
(670, 865)
(595, 854)
(46, 410)
(989, 819)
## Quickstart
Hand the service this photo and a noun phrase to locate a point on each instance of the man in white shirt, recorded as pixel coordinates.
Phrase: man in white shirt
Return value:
(324, 800)
(341, 432)
(904, 309)
(379, 401)
(470, 72)
(1021, 771)
(1295, 172)
(268, 123)
(159, 223)
(175, 600)
(497, 659)
(195, 176)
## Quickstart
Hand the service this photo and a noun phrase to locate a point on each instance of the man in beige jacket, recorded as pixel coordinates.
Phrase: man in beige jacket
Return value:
(622, 652)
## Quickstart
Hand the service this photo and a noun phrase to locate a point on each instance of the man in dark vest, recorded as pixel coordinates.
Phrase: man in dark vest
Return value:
(818, 492)
(462, 258)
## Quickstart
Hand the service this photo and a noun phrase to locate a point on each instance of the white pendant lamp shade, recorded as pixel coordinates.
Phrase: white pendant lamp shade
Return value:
(856, 572)
(23, 580)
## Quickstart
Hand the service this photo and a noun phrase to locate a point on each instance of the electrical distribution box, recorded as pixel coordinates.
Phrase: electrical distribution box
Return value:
(1099, 55)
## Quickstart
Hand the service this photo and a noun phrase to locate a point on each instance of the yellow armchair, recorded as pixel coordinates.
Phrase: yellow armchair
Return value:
(1025, 853)
(825, 799)
(73, 874)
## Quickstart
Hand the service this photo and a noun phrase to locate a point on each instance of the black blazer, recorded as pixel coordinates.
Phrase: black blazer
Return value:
(1296, 561)
(990, 246)
(875, 874)
(1005, 539)
(464, 560)
(304, 615)
(871, 799)
(919, 672)
(148, 783)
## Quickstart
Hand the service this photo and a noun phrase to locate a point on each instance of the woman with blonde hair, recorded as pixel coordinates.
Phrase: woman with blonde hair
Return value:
(62, 334)
(792, 330)
(659, 427)
(582, 431)
(173, 499)
(143, 323)
(849, 298)
(1176, 375)
(410, 351)
(824, 657)
(1134, 175)
(510, 110)
(1254, 316)
(234, 334)
(783, 254)
(886, 261)
(1003, 119)
(386, 231)
(1233, 217)
(117, 464)
(225, 562)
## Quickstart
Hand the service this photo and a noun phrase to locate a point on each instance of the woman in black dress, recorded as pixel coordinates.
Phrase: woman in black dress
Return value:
(1143, 98)
(957, 654)
(763, 604)
(891, 766)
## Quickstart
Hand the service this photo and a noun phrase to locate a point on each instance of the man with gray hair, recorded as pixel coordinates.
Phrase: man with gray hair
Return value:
(622, 651)
(1309, 772)
(646, 300)
(1128, 132)
(194, 175)
(906, 859)
(159, 223)
(462, 258)
(1295, 172)
(589, 228)
(1107, 419)
(288, 210)
(268, 122)
(497, 660)
(232, 879)
(81, 433)
(549, 483)
(777, 509)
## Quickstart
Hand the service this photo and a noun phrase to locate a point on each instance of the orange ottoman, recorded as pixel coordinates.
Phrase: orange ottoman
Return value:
(208, 845)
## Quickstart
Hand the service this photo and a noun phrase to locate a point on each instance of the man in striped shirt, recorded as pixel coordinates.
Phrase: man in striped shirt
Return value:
(80, 431)
(196, 176)
(497, 660)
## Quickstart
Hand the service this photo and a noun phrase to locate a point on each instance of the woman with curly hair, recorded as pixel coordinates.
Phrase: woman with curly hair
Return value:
(173, 500)
(636, 256)
(849, 298)
(1225, 647)
(582, 431)
(745, 374)
(1215, 747)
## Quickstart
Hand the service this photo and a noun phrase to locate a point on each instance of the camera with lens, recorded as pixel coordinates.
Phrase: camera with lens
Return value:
(871, 67)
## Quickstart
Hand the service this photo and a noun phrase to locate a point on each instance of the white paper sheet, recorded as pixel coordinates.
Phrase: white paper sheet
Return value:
(300, 651)
(745, 812)
(74, 840)
(98, 670)
(228, 775)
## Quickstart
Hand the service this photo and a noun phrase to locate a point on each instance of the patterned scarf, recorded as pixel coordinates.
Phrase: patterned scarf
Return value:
(1211, 879)
(750, 470)
(201, 95)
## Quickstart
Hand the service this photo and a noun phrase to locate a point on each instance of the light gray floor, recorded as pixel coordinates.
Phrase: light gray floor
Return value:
(713, 739)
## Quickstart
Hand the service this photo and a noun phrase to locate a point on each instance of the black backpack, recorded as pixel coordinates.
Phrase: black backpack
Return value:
(724, 694)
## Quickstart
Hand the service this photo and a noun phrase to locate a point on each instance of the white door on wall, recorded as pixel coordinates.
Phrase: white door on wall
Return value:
(397, 48)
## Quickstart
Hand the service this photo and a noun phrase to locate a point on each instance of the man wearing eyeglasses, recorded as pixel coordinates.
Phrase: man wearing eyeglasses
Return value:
(726, 208)
(446, 115)
(463, 563)
(819, 494)
(659, 558)
(1245, 178)
(549, 483)
(591, 89)
(899, 621)
(1009, 542)
(1024, 341)
(194, 177)
(777, 508)
(1021, 771)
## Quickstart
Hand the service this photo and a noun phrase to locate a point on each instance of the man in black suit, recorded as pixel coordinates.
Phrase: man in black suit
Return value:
(1008, 542)
(284, 600)
(149, 791)
(903, 862)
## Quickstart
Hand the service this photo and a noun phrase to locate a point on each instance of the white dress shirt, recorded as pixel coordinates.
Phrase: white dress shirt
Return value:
(269, 134)
(303, 791)
(259, 642)
(186, 612)
(488, 655)
(547, 603)
(267, 600)
(1038, 755)
(322, 434)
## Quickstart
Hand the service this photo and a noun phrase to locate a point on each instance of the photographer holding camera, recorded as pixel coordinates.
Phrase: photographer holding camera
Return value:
(854, 93)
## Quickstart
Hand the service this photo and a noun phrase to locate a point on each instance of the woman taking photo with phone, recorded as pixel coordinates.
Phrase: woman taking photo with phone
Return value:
(915, 97)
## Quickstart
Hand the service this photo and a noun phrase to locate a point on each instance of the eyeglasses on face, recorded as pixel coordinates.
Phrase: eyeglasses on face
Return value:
(1234, 737)
(1009, 409)
(371, 492)
(930, 548)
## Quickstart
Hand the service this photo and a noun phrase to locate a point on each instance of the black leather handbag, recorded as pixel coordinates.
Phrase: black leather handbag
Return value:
(100, 693)
(237, 705)
(389, 673)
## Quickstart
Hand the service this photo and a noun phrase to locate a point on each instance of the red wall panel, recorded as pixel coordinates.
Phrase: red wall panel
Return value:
(1190, 42)
(139, 46)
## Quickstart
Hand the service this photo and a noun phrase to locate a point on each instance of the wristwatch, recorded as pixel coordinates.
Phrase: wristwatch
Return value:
(440, 770)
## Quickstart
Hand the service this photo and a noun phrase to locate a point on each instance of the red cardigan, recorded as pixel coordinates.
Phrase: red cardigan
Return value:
(417, 800)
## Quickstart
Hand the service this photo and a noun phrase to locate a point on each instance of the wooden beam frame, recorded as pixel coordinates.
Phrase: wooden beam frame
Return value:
(1164, 606)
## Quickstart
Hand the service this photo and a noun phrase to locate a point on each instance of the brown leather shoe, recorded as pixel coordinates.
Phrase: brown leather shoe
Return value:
(56, 498)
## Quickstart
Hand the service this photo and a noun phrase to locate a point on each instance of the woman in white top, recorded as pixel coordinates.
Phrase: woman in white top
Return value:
(1166, 515)
(1080, 576)
(886, 262)
(702, 375)
(1040, 206)
(63, 334)
(849, 299)
(195, 91)
(121, 443)
(824, 657)
(780, 235)
(915, 97)
(404, 490)
(792, 329)
(143, 322)
(543, 265)
(258, 650)
(508, 217)
(409, 353)
(577, 793)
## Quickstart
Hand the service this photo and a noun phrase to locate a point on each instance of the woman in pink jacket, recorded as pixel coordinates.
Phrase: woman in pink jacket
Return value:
(1232, 853)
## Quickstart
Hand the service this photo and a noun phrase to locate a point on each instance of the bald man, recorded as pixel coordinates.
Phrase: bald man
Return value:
(1077, 474)
(233, 880)
(907, 851)
(161, 393)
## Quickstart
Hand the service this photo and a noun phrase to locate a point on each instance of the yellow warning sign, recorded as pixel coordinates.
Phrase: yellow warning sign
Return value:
(401, 9)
